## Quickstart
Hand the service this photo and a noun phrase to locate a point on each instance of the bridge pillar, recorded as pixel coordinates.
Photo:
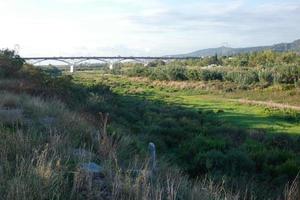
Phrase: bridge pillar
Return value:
(71, 68)
(111, 65)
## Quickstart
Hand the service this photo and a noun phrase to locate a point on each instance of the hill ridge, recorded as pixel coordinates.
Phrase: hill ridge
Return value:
(228, 51)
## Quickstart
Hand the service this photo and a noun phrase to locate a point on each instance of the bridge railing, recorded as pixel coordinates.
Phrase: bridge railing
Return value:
(111, 60)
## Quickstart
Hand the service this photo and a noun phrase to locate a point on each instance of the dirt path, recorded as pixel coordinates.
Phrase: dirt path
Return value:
(267, 103)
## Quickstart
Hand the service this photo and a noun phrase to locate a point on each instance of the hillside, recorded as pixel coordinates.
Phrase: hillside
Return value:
(227, 51)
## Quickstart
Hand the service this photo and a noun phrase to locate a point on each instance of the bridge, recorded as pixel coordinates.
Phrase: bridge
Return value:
(72, 62)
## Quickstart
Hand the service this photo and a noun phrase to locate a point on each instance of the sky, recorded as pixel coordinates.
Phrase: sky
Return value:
(143, 27)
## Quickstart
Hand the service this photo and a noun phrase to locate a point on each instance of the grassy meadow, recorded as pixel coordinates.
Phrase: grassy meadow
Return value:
(227, 109)
(205, 133)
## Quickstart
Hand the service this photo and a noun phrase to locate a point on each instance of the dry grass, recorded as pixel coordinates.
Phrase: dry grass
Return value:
(35, 158)
(170, 184)
(269, 104)
(9, 100)
(181, 85)
(292, 191)
(29, 171)
(215, 86)
(11, 116)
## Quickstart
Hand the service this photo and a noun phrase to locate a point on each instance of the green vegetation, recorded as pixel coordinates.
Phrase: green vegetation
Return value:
(191, 115)
(40, 136)
(258, 69)
(9, 63)
(210, 145)
(190, 130)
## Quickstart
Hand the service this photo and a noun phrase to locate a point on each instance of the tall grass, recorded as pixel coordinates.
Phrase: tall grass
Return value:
(36, 160)
(137, 180)
(35, 157)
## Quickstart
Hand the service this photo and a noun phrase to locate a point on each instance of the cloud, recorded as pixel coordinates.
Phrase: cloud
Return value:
(156, 27)
(233, 21)
(217, 14)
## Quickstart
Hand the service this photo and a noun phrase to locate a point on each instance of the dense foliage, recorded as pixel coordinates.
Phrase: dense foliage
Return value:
(256, 59)
(10, 62)
(265, 68)
(283, 74)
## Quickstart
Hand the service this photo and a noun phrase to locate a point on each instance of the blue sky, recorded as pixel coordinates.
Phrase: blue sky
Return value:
(140, 27)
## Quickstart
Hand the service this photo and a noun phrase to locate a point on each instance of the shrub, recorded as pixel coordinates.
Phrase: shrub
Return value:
(275, 157)
(208, 75)
(289, 74)
(176, 73)
(156, 63)
(193, 74)
(265, 75)
(289, 168)
(158, 73)
(10, 63)
(215, 160)
(138, 71)
(238, 162)
(250, 77)
(242, 77)
(53, 71)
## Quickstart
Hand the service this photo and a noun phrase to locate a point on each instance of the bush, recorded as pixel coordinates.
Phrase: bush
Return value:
(138, 71)
(242, 77)
(289, 74)
(289, 168)
(215, 160)
(193, 74)
(158, 73)
(276, 157)
(176, 73)
(53, 71)
(209, 75)
(10, 63)
(265, 67)
(238, 163)
(170, 73)
(204, 74)
(265, 75)
(156, 63)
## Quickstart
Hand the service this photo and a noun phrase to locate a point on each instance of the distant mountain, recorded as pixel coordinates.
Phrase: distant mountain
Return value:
(227, 51)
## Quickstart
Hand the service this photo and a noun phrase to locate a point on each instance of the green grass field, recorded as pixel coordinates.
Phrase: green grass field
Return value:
(203, 132)
(242, 115)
